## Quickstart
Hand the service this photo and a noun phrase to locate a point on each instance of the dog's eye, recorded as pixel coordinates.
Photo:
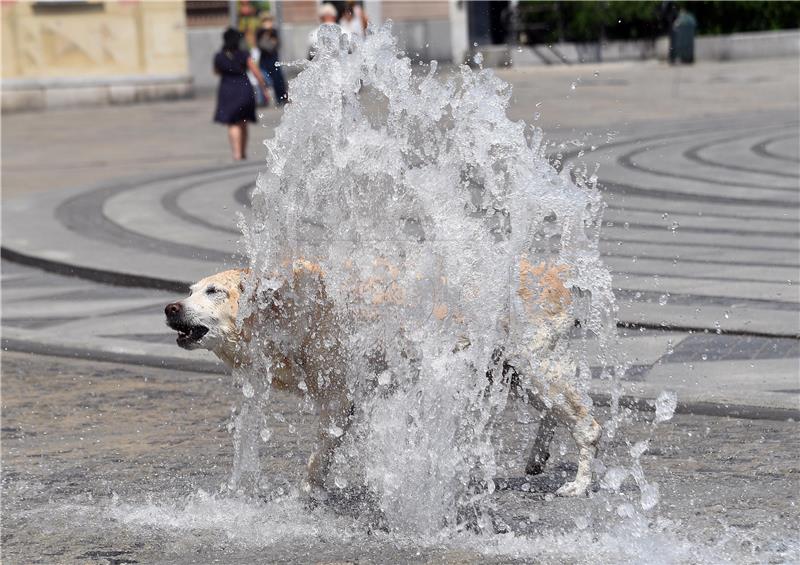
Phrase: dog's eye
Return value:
(212, 290)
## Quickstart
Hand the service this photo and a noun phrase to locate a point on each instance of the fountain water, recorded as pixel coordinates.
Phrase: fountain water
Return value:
(423, 206)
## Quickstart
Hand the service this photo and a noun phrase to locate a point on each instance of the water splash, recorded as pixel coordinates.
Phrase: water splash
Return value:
(423, 208)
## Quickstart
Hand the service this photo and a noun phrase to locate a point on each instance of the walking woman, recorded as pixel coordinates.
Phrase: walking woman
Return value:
(236, 101)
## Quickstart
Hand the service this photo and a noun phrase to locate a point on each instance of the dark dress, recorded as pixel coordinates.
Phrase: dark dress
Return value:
(236, 100)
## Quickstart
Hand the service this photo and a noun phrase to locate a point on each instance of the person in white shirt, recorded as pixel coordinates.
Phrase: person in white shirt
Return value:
(354, 20)
(327, 15)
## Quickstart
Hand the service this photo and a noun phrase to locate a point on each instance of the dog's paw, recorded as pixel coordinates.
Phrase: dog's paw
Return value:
(574, 488)
(313, 494)
(535, 465)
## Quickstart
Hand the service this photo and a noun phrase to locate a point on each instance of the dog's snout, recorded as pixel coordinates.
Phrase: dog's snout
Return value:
(173, 310)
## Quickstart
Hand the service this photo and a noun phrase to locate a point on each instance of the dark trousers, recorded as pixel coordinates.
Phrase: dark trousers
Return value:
(273, 71)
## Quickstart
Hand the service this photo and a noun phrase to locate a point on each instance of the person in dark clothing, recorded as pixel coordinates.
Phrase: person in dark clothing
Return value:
(269, 44)
(236, 101)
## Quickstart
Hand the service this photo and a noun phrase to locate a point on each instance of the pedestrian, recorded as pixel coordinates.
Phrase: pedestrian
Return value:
(269, 43)
(255, 54)
(682, 37)
(354, 20)
(236, 101)
(328, 14)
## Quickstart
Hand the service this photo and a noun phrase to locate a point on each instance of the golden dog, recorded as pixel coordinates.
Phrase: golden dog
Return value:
(307, 357)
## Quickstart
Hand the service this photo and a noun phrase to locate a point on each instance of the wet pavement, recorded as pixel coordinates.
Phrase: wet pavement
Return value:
(115, 442)
(51, 314)
(109, 463)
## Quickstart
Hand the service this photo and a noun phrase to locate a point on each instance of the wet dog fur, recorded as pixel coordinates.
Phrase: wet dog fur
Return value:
(315, 365)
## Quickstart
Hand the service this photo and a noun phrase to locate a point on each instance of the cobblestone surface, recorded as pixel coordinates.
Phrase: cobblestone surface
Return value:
(102, 464)
(109, 462)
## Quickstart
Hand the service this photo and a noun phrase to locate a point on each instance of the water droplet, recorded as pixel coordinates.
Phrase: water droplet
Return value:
(663, 299)
(625, 510)
(638, 448)
(666, 403)
(478, 58)
(265, 434)
(596, 73)
(649, 496)
(704, 357)
(581, 522)
(247, 390)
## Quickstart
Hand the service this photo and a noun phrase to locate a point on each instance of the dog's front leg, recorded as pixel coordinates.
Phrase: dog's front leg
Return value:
(540, 450)
(334, 420)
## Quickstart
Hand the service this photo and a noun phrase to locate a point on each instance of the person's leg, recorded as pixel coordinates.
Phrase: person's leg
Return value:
(278, 82)
(260, 99)
(235, 138)
(280, 86)
(243, 154)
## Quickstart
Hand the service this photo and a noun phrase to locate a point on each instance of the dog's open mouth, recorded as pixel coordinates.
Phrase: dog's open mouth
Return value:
(188, 334)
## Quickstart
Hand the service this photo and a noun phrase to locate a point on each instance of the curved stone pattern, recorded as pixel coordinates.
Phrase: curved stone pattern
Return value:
(701, 229)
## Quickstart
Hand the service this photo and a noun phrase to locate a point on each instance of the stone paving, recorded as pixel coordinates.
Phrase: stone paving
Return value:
(701, 230)
(111, 464)
(105, 454)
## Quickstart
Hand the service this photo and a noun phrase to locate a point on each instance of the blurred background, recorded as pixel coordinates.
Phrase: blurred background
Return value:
(62, 53)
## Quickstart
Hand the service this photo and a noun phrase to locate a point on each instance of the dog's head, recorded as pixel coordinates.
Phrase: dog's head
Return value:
(206, 319)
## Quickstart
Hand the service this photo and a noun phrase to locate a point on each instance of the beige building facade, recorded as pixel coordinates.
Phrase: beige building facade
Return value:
(425, 29)
(82, 52)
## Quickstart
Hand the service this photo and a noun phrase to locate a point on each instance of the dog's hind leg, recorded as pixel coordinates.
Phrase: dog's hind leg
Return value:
(540, 450)
(586, 432)
(565, 406)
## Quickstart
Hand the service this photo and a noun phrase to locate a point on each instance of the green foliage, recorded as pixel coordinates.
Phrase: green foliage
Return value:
(550, 22)
(715, 18)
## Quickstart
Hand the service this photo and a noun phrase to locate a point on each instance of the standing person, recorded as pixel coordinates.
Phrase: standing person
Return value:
(682, 44)
(236, 101)
(327, 15)
(269, 43)
(354, 20)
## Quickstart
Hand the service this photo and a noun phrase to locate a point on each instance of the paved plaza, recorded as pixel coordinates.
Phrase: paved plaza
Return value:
(110, 213)
(699, 167)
